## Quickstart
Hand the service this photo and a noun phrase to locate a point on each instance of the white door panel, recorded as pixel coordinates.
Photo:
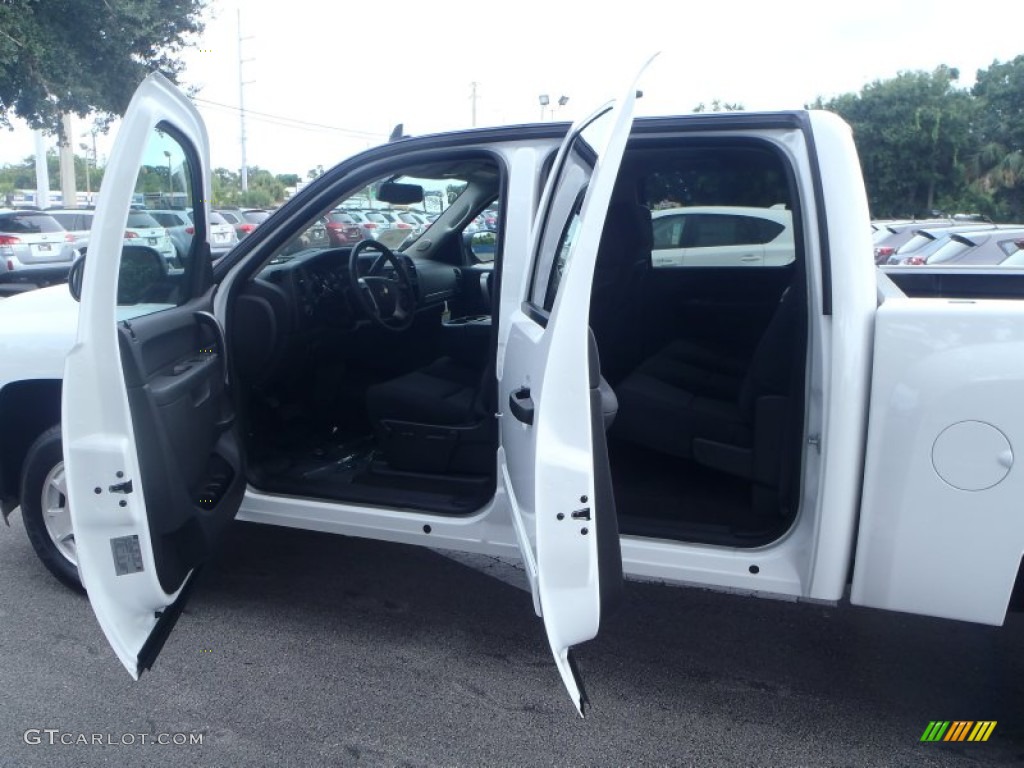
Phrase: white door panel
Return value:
(941, 525)
(139, 324)
(547, 396)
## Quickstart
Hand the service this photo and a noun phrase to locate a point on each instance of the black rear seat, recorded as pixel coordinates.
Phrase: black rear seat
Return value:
(725, 413)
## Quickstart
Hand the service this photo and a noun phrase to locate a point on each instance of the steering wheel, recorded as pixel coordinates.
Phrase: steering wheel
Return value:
(388, 298)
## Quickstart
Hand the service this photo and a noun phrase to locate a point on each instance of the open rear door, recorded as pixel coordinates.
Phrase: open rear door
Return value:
(553, 457)
(153, 465)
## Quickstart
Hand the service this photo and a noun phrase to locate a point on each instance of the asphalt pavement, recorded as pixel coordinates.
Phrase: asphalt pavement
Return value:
(301, 649)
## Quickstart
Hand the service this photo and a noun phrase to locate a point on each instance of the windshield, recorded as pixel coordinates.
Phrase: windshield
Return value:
(395, 209)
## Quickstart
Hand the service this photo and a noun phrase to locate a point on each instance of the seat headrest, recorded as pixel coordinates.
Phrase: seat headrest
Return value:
(628, 224)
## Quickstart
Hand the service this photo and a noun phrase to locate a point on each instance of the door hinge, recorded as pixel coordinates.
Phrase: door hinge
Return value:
(814, 440)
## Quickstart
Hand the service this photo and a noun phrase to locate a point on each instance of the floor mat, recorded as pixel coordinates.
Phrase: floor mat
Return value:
(654, 491)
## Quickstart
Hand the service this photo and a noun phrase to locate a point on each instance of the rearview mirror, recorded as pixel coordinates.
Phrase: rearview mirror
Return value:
(400, 194)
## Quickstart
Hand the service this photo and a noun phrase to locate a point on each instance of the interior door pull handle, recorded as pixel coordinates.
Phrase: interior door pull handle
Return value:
(208, 319)
(522, 405)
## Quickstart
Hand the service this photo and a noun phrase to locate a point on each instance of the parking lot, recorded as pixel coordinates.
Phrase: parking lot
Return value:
(307, 649)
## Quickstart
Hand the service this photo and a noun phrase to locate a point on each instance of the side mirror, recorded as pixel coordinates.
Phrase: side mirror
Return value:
(482, 244)
(142, 270)
(75, 278)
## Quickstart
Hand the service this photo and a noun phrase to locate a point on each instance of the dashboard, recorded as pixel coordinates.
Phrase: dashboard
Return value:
(300, 298)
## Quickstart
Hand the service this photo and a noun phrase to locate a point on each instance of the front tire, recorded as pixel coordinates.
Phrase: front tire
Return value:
(44, 508)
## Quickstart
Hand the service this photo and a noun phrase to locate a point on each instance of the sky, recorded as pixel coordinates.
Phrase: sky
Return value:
(326, 80)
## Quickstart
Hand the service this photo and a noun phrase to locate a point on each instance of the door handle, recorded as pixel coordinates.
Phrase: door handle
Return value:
(209, 320)
(522, 405)
(750, 257)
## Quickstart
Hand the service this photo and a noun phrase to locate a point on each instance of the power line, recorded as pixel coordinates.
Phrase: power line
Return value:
(291, 122)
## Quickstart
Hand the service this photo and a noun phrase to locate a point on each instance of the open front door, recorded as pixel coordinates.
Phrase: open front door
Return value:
(153, 466)
(553, 457)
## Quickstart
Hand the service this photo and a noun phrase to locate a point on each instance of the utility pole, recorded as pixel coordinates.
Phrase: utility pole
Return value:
(68, 190)
(42, 172)
(241, 102)
(473, 98)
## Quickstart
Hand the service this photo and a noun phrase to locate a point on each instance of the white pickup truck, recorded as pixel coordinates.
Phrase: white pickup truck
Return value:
(806, 427)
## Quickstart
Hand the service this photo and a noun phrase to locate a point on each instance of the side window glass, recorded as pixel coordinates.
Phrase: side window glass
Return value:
(728, 207)
(668, 232)
(560, 218)
(154, 272)
(562, 253)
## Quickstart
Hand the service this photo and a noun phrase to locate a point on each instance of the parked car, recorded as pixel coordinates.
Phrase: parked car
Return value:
(342, 228)
(243, 220)
(143, 229)
(34, 249)
(370, 229)
(721, 236)
(253, 218)
(179, 226)
(181, 229)
(395, 220)
(314, 236)
(416, 220)
(891, 235)
(222, 235)
(973, 249)
(77, 221)
(378, 221)
(1015, 253)
(926, 241)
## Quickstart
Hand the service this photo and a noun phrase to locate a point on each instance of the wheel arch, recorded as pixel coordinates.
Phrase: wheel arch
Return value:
(27, 409)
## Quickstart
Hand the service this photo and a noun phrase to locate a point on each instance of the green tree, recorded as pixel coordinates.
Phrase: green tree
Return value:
(227, 186)
(914, 134)
(720, 106)
(997, 168)
(86, 56)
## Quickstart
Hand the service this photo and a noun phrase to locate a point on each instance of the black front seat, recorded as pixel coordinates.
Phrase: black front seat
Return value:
(441, 418)
(436, 419)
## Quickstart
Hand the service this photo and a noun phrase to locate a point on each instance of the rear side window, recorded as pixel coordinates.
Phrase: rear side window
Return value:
(719, 207)
(167, 219)
(29, 223)
(951, 251)
(1010, 247)
(710, 230)
(142, 220)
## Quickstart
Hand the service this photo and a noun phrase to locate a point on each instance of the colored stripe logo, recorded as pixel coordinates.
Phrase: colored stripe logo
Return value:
(959, 730)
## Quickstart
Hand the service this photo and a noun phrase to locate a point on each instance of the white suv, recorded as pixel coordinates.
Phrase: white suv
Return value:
(34, 248)
(141, 229)
(722, 236)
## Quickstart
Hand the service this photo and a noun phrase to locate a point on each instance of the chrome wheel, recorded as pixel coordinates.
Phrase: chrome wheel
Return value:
(57, 513)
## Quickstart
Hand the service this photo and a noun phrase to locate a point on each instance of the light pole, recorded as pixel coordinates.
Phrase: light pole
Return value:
(170, 180)
(544, 101)
(562, 101)
(88, 182)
